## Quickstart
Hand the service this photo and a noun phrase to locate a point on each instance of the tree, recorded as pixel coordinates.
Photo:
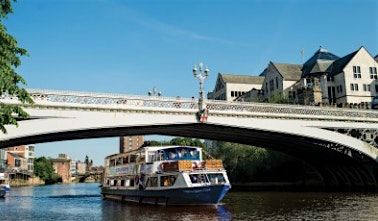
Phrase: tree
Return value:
(185, 141)
(43, 168)
(10, 80)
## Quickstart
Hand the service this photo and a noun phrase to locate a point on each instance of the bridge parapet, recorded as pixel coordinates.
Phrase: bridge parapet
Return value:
(72, 99)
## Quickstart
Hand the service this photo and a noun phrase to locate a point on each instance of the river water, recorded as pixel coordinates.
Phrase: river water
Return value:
(83, 202)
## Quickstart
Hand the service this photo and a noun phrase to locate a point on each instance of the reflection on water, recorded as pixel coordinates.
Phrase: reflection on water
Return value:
(302, 206)
(83, 202)
(127, 211)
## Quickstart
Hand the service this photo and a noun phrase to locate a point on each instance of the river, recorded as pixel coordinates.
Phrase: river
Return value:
(84, 202)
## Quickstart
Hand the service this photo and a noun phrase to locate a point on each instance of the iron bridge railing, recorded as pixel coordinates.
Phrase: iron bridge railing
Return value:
(46, 97)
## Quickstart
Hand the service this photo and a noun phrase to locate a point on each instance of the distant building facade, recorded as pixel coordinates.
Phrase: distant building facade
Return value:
(62, 166)
(73, 169)
(21, 158)
(279, 78)
(128, 143)
(346, 81)
(324, 78)
(229, 87)
(81, 167)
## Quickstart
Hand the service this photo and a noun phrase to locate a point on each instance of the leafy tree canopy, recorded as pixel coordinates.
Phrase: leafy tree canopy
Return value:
(10, 80)
(43, 168)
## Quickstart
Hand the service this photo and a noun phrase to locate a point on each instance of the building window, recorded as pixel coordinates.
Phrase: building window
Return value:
(277, 82)
(271, 85)
(17, 163)
(373, 73)
(330, 78)
(376, 88)
(232, 93)
(366, 87)
(354, 87)
(356, 71)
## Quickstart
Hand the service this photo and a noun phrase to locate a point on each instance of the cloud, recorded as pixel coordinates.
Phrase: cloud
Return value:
(171, 30)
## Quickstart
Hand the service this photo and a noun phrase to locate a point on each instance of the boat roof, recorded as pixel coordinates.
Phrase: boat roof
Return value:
(152, 148)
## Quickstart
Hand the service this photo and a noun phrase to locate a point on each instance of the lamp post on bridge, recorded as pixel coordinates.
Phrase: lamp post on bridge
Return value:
(201, 74)
(154, 92)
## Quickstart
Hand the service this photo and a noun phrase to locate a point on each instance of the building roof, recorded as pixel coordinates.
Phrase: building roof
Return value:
(264, 72)
(60, 160)
(339, 65)
(241, 79)
(318, 63)
(376, 58)
(289, 71)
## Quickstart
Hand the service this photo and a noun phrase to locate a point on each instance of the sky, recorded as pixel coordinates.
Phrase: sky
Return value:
(132, 46)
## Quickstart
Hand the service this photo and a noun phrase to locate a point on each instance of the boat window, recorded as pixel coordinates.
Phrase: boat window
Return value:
(198, 178)
(181, 153)
(141, 158)
(119, 161)
(131, 182)
(167, 180)
(108, 182)
(152, 182)
(151, 156)
(216, 178)
(132, 158)
(125, 160)
(122, 182)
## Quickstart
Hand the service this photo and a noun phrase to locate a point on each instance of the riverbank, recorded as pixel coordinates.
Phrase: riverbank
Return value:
(31, 181)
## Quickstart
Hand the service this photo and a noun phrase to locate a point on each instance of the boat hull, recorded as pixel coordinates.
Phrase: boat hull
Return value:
(2, 193)
(204, 195)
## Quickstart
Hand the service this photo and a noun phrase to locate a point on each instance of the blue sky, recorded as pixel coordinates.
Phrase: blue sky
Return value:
(132, 46)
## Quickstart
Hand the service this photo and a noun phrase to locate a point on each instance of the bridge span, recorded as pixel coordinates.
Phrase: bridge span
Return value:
(341, 143)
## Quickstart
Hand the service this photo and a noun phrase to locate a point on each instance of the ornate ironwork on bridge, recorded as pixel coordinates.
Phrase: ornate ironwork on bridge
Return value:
(65, 99)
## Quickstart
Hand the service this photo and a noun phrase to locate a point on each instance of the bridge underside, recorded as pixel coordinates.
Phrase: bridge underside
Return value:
(338, 167)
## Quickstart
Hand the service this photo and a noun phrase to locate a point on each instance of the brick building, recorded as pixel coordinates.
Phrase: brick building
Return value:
(21, 158)
(128, 143)
(62, 166)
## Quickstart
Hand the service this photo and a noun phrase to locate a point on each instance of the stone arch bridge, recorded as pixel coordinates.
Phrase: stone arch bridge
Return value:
(342, 144)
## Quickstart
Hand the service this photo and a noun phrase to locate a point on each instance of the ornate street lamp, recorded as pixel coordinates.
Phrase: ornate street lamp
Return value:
(201, 74)
(154, 92)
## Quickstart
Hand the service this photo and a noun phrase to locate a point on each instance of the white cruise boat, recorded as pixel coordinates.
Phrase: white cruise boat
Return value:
(169, 175)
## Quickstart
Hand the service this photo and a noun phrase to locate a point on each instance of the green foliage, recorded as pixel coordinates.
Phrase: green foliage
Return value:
(246, 163)
(178, 141)
(43, 168)
(10, 81)
(155, 143)
(279, 99)
(185, 141)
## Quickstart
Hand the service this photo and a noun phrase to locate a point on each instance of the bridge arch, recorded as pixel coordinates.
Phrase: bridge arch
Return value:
(298, 131)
